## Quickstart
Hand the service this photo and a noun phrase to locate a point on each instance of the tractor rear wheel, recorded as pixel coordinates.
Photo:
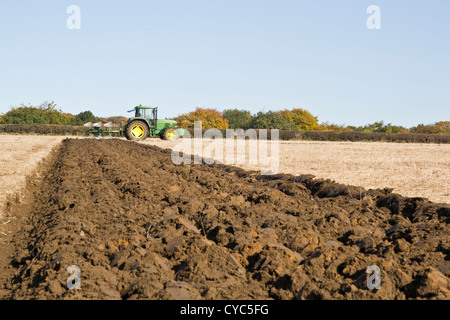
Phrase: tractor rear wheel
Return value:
(136, 130)
(170, 134)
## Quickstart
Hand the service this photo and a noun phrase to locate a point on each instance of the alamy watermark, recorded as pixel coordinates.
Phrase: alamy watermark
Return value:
(374, 280)
(74, 279)
(374, 20)
(237, 145)
(73, 22)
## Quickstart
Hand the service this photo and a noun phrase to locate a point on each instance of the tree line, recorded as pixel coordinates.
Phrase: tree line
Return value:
(295, 119)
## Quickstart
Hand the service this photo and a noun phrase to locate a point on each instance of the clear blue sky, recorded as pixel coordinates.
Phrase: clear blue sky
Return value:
(250, 54)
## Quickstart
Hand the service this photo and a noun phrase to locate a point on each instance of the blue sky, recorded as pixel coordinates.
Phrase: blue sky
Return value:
(255, 55)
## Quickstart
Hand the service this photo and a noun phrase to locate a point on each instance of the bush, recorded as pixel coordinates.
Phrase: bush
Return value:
(350, 136)
(374, 136)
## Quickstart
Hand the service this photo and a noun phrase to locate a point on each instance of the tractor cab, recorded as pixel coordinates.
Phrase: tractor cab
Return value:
(145, 112)
(150, 114)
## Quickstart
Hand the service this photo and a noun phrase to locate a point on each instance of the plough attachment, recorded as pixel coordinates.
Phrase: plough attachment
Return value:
(99, 130)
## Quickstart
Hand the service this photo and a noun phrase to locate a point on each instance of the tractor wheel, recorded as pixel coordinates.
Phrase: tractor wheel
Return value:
(136, 130)
(170, 134)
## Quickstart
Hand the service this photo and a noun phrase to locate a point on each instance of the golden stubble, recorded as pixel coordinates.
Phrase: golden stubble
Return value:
(19, 157)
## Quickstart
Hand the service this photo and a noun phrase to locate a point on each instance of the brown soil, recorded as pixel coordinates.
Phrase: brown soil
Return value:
(140, 227)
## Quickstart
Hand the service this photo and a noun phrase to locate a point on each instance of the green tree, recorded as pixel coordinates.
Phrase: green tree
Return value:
(374, 127)
(379, 126)
(84, 117)
(238, 119)
(389, 128)
(24, 115)
(271, 120)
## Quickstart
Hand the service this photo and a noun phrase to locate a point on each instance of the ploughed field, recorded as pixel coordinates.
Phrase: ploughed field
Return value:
(140, 227)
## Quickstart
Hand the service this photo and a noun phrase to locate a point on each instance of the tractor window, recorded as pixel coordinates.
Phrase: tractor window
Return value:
(143, 113)
(146, 113)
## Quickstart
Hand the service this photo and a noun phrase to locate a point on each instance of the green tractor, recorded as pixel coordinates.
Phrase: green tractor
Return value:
(145, 123)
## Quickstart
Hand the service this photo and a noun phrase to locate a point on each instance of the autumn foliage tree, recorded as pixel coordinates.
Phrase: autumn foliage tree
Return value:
(210, 118)
(441, 127)
(303, 119)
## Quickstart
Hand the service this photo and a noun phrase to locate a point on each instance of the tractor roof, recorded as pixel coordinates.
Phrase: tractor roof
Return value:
(144, 107)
